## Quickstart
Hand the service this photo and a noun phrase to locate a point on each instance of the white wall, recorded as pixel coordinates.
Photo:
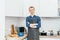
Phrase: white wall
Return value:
(2, 20)
(48, 23)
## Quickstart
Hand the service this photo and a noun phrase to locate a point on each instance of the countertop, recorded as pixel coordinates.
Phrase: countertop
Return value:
(49, 36)
(8, 37)
(21, 38)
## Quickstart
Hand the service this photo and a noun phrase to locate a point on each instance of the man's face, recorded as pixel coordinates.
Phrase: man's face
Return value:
(31, 10)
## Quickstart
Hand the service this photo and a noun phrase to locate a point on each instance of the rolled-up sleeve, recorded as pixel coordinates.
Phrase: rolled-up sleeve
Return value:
(27, 22)
(39, 22)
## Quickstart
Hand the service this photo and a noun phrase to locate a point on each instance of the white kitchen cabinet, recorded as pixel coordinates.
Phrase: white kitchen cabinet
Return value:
(59, 7)
(44, 8)
(58, 3)
(13, 7)
(49, 7)
(28, 3)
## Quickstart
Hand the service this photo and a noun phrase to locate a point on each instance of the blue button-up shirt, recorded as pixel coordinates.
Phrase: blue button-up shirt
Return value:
(29, 18)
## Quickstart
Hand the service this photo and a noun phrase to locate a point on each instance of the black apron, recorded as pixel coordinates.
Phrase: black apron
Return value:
(33, 33)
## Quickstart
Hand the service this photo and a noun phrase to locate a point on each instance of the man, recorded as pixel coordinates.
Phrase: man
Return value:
(33, 23)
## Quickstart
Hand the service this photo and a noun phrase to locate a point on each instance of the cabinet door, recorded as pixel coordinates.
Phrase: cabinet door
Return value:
(44, 8)
(13, 8)
(28, 3)
(48, 8)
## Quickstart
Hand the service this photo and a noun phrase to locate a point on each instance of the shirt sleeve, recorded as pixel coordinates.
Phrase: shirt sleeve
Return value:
(39, 22)
(27, 22)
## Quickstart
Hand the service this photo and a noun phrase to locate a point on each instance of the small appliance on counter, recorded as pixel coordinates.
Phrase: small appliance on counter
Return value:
(51, 33)
(58, 32)
(21, 31)
(43, 33)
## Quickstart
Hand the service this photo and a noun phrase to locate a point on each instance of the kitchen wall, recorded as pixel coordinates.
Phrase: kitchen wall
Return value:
(8, 22)
(47, 23)
(50, 23)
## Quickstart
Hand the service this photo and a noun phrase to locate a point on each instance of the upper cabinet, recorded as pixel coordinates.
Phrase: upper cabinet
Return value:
(58, 7)
(43, 8)
(49, 8)
(28, 3)
(13, 8)
(58, 3)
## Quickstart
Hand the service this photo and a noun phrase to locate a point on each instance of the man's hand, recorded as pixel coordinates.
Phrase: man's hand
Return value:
(33, 26)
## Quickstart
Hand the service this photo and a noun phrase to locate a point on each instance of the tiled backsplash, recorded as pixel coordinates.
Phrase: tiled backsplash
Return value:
(47, 23)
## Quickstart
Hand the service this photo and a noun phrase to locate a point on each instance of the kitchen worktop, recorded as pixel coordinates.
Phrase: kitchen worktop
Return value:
(49, 36)
(9, 37)
(41, 38)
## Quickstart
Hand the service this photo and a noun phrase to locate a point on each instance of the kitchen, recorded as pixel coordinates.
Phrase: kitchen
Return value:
(16, 12)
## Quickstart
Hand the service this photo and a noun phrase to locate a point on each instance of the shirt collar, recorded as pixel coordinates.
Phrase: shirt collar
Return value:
(33, 16)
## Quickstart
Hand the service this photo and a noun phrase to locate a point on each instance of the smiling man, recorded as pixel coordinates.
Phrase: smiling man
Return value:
(33, 23)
